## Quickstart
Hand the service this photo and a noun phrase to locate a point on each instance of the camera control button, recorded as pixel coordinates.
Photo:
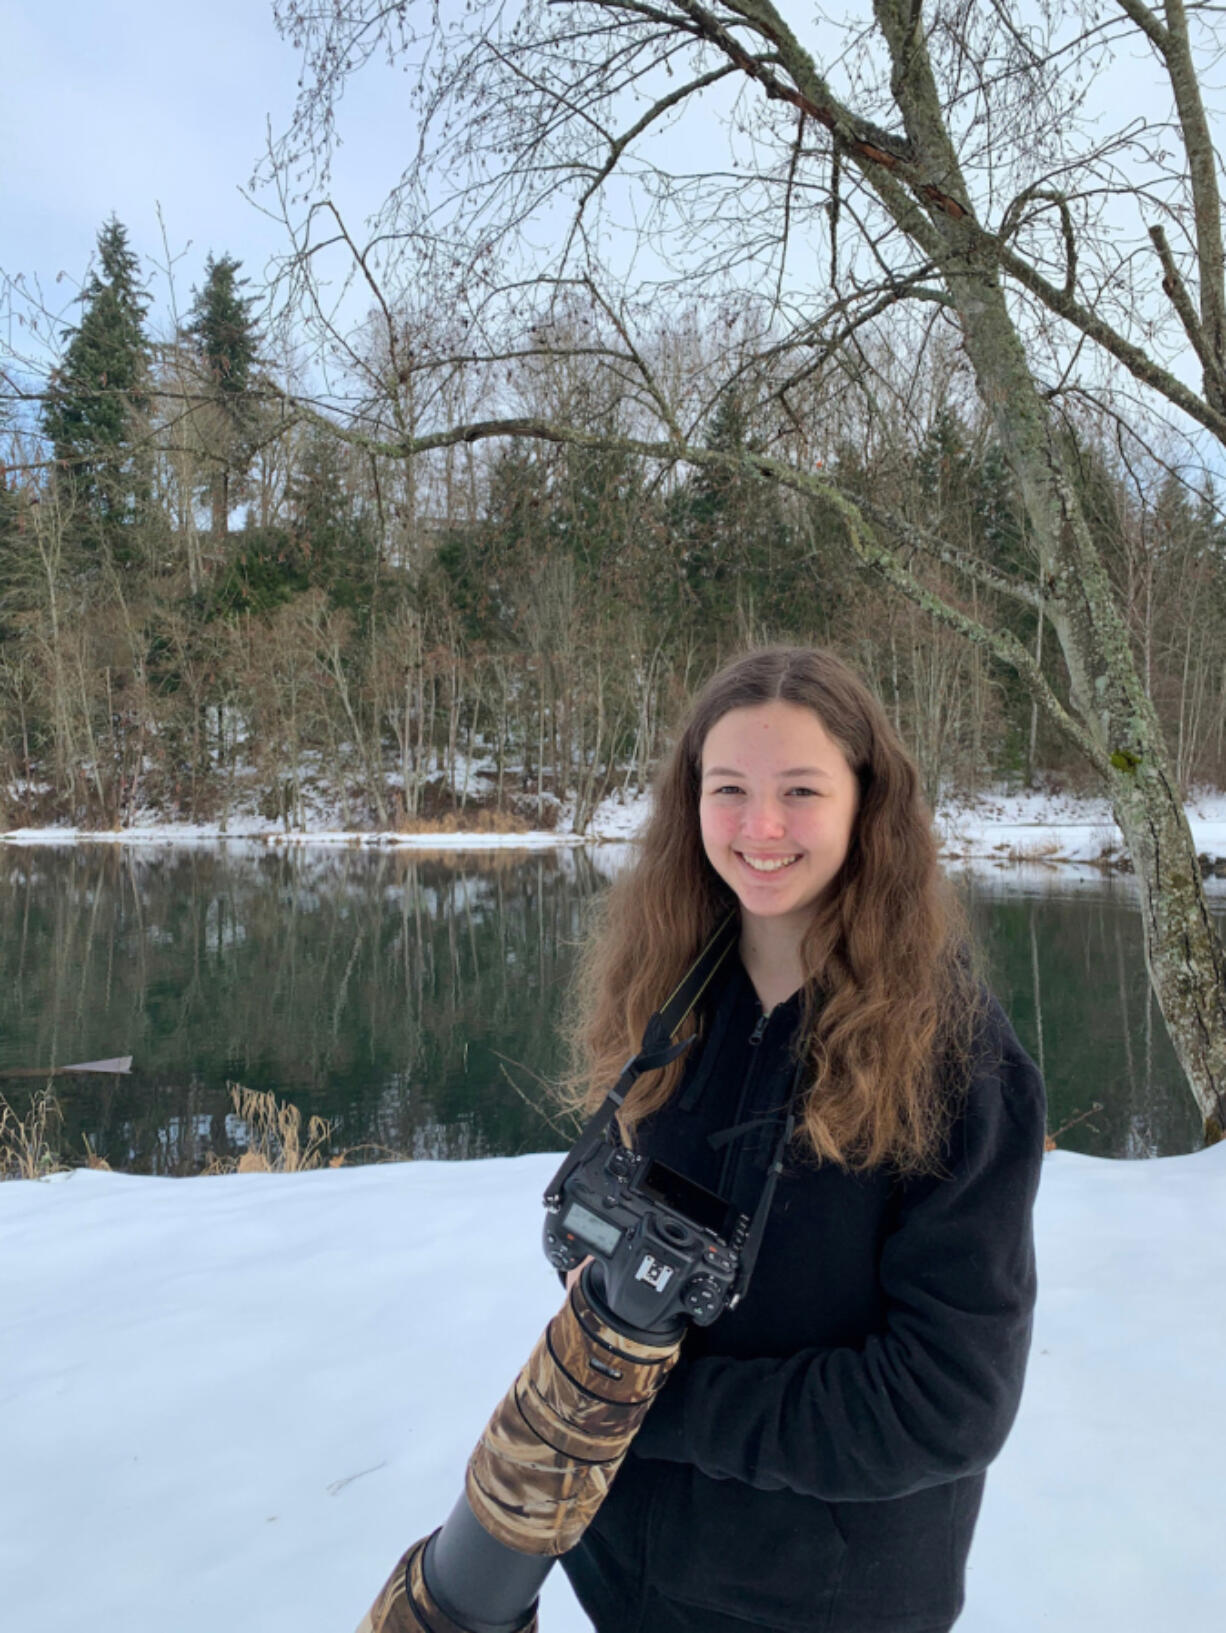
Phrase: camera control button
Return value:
(701, 1296)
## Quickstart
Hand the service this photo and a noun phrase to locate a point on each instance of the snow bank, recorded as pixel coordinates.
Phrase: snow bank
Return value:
(187, 833)
(994, 829)
(1049, 827)
(232, 1402)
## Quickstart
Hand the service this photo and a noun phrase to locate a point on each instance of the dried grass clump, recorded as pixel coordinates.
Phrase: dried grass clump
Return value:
(275, 1141)
(478, 819)
(26, 1151)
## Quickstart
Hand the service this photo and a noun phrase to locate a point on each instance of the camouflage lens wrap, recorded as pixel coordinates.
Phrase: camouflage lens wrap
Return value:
(548, 1455)
(404, 1604)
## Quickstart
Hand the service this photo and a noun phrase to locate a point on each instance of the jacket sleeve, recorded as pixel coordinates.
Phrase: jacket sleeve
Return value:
(932, 1396)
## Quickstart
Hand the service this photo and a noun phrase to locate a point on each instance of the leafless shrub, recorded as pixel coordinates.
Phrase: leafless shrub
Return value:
(276, 1143)
(26, 1151)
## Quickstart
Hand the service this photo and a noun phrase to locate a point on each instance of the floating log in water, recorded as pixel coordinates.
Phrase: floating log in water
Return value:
(116, 1065)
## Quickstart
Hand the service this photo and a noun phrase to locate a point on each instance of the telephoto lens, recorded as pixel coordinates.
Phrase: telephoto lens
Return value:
(541, 1469)
(662, 1252)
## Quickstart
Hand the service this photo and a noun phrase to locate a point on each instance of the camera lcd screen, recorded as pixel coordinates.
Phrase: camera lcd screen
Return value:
(591, 1228)
(694, 1202)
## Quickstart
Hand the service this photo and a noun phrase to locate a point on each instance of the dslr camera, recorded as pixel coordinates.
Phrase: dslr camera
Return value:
(666, 1250)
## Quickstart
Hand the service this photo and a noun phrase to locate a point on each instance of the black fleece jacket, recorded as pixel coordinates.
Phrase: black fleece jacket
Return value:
(816, 1459)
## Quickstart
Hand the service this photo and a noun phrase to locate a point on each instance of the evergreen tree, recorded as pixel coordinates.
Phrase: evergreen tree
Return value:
(595, 515)
(739, 554)
(12, 548)
(226, 342)
(329, 532)
(98, 399)
(487, 568)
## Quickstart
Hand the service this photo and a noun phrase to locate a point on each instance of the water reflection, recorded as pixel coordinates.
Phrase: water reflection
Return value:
(379, 990)
(1066, 959)
(413, 1000)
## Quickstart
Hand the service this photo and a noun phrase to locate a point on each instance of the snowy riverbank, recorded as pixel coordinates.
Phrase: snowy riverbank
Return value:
(994, 828)
(232, 1402)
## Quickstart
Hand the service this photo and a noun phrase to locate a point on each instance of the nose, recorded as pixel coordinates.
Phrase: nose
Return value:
(764, 818)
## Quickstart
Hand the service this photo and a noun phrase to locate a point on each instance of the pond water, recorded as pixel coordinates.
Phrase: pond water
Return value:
(413, 1000)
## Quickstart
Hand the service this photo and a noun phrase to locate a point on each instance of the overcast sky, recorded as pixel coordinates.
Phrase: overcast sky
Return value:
(122, 105)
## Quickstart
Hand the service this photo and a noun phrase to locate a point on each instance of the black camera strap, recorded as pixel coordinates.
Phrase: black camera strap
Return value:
(659, 1047)
(757, 1226)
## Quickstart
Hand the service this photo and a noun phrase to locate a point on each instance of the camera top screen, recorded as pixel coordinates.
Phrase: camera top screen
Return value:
(692, 1201)
(589, 1227)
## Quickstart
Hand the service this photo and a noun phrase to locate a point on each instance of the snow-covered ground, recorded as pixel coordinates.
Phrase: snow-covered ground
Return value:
(997, 828)
(1036, 826)
(231, 1403)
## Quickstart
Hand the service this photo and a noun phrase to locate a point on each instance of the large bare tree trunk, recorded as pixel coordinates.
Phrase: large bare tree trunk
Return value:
(1183, 952)
(931, 248)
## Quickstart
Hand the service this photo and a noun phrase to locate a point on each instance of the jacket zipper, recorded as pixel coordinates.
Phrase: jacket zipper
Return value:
(731, 1162)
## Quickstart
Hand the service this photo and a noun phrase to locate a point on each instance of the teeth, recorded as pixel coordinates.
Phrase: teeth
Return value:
(761, 865)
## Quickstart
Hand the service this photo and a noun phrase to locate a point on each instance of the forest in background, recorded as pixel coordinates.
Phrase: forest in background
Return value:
(211, 602)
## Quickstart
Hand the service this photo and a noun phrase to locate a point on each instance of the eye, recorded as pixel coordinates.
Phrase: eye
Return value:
(806, 793)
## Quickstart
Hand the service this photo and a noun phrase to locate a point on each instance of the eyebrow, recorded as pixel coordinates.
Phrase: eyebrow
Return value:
(794, 771)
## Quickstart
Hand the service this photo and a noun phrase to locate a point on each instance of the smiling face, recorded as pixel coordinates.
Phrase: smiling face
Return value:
(777, 807)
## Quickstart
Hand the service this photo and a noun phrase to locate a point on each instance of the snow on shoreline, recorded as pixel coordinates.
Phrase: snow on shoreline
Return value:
(232, 1402)
(1044, 827)
(1034, 827)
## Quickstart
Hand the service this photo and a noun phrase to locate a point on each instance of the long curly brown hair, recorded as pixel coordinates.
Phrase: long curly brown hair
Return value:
(891, 996)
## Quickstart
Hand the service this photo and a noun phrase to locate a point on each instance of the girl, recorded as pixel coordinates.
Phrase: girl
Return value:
(816, 1461)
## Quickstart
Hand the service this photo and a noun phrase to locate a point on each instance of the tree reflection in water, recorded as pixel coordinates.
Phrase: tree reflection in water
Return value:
(383, 989)
(379, 989)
